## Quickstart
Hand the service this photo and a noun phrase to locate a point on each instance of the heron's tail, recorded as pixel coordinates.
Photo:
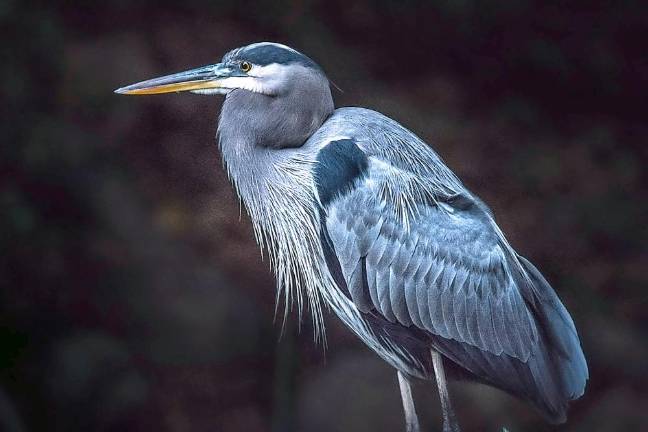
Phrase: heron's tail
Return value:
(558, 368)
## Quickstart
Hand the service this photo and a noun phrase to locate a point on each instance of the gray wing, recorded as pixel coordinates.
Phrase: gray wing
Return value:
(412, 247)
(440, 268)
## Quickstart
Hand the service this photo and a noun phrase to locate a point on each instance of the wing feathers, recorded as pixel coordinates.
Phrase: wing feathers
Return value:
(415, 257)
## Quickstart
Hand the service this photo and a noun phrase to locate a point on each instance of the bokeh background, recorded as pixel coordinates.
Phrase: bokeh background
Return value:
(132, 295)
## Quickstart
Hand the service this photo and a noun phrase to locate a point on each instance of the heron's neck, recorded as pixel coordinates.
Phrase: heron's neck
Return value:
(261, 135)
(277, 122)
(277, 190)
(262, 143)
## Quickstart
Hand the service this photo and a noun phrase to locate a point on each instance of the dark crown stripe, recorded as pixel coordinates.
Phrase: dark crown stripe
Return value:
(265, 54)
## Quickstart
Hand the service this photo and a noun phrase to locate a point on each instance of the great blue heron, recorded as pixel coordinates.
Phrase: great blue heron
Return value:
(359, 213)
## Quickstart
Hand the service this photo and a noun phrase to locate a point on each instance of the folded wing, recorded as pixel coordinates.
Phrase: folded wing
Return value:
(435, 261)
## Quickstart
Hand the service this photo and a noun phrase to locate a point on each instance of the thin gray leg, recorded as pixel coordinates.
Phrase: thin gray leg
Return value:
(449, 420)
(411, 419)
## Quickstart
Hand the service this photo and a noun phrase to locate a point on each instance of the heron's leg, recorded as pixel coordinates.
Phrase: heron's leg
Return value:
(411, 420)
(449, 420)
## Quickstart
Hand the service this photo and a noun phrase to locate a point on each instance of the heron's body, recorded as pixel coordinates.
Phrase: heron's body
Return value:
(360, 214)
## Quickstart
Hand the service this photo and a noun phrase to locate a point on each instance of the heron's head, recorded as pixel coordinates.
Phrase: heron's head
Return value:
(270, 87)
(266, 68)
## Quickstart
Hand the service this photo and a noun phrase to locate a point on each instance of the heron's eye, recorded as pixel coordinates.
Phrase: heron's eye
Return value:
(246, 66)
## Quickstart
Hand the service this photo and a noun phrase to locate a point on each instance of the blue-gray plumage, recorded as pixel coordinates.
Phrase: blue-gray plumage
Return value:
(359, 213)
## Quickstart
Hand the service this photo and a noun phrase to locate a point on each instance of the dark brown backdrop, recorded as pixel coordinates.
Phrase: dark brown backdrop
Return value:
(133, 297)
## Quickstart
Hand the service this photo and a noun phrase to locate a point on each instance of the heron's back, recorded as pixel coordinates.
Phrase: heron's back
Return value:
(423, 265)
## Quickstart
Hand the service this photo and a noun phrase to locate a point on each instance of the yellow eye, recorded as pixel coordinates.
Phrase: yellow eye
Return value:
(246, 66)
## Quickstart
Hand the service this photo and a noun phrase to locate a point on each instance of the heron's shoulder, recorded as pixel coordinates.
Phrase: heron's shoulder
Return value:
(361, 120)
(340, 164)
(376, 134)
(360, 124)
(358, 112)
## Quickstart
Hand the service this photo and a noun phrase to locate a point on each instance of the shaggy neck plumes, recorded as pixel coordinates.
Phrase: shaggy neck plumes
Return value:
(260, 139)
(256, 130)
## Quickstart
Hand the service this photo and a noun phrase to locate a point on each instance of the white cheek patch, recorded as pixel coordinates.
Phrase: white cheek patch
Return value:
(271, 71)
(246, 83)
(267, 80)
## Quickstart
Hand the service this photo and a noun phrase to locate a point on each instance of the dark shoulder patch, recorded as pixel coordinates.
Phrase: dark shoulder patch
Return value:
(339, 164)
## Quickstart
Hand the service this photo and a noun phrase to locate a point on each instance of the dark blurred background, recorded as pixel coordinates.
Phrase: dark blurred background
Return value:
(133, 297)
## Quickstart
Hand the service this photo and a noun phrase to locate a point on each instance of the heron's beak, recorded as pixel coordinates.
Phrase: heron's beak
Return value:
(207, 79)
